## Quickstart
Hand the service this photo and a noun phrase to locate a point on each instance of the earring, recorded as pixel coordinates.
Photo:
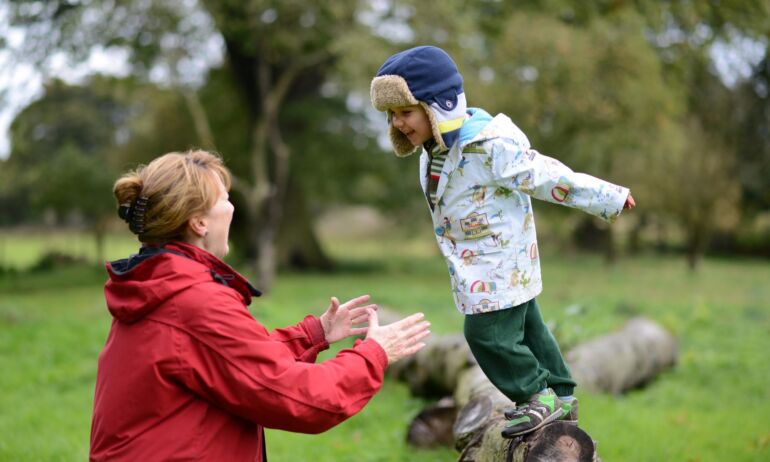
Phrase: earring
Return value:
(206, 233)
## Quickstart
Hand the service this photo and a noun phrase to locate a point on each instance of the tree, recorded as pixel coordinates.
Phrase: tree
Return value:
(61, 156)
(624, 88)
(277, 54)
(607, 86)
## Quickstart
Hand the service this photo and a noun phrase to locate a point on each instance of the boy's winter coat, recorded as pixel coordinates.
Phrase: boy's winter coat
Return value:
(483, 216)
(188, 374)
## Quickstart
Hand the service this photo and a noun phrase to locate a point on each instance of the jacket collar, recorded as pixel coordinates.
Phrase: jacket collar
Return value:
(472, 130)
(220, 271)
(144, 281)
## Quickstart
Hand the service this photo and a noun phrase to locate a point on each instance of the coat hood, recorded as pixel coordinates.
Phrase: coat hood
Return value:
(481, 127)
(139, 284)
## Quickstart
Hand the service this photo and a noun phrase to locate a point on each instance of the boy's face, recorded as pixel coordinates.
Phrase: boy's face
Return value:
(412, 122)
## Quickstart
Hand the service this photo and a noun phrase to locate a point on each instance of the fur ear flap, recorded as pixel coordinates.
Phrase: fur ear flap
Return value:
(389, 91)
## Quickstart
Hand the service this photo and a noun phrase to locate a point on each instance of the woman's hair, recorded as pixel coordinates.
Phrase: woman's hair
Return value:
(157, 199)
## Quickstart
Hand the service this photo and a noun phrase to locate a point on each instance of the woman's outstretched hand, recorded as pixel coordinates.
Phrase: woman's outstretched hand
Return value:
(339, 320)
(401, 338)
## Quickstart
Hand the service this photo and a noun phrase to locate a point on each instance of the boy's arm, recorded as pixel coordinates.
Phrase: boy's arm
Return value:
(526, 170)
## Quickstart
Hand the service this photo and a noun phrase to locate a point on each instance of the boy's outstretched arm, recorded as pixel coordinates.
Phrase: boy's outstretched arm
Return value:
(518, 167)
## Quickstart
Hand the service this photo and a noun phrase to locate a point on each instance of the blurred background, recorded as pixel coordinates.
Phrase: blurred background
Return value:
(669, 98)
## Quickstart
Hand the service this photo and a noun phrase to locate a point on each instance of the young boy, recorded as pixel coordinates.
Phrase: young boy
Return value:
(478, 173)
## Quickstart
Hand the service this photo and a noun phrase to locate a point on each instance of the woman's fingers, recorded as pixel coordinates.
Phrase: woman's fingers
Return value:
(414, 349)
(409, 321)
(334, 305)
(354, 302)
(359, 315)
(417, 328)
(359, 331)
(420, 334)
(374, 321)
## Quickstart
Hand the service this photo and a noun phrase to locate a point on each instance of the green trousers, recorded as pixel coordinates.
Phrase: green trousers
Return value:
(517, 352)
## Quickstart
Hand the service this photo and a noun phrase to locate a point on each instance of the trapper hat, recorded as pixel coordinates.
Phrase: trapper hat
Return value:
(424, 76)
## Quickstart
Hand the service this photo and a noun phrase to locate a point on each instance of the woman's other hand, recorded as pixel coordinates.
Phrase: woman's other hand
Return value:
(339, 320)
(401, 338)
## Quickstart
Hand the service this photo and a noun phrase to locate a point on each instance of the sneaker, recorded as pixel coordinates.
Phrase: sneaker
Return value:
(540, 409)
(570, 409)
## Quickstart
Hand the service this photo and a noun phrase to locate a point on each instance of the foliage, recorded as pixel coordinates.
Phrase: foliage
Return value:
(592, 96)
(623, 90)
(151, 31)
(60, 155)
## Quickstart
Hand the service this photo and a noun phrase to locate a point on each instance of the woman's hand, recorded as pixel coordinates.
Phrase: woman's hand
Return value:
(401, 338)
(338, 320)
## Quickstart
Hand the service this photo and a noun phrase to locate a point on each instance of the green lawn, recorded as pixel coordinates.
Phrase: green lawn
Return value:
(713, 407)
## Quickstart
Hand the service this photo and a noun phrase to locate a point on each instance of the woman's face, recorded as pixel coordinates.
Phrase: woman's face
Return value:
(218, 220)
(412, 122)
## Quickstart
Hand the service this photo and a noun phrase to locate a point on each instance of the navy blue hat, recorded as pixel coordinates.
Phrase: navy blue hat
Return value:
(425, 76)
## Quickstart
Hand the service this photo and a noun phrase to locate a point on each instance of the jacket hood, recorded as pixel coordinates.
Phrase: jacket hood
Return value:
(138, 284)
(481, 127)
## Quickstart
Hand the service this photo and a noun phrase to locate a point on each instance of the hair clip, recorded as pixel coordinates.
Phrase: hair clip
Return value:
(134, 214)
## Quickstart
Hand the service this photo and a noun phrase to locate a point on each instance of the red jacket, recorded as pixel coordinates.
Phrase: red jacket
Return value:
(188, 374)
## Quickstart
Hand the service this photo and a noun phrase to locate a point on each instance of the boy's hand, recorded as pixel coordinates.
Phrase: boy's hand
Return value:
(630, 203)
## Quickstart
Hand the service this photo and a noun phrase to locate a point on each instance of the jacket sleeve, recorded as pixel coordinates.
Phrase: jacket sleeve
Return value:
(521, 168)
(228, 358)
(305, 340)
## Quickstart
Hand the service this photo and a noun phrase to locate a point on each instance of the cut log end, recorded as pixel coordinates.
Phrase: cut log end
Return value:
(555, 442)
(560, 442)
(433, 425)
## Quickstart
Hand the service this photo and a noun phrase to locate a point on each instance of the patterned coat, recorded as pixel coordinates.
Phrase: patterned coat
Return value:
(483, 216)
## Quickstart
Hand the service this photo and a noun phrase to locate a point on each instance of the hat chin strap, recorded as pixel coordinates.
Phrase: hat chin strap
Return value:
(434, 126)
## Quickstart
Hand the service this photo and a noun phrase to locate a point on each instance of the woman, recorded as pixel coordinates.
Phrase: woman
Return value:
(187, 373)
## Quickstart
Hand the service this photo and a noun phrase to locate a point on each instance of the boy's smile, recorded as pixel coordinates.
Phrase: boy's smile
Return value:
(413, 123)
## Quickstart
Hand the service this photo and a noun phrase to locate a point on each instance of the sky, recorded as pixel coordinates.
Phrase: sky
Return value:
(21, 84)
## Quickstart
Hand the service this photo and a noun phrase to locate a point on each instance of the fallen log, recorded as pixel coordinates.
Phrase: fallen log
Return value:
(433, 425)
(434, 370)
(613, 363)
(625, 359)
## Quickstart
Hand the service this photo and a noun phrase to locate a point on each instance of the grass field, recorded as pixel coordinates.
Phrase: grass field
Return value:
(713, 406)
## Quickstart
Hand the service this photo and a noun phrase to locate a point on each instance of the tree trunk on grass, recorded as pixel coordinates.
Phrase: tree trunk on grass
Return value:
(613, 363)
(297, 245)
(625, 359)
(435, 370)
